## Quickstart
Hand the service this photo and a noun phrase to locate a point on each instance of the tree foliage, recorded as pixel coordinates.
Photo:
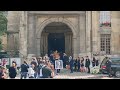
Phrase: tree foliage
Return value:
(3, 26)
(3, 23)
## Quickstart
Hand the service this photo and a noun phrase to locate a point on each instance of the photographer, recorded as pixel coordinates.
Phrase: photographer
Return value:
(24, 70)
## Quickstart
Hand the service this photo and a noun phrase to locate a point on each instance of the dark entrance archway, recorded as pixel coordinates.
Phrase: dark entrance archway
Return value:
(56, 41)
(56, 36)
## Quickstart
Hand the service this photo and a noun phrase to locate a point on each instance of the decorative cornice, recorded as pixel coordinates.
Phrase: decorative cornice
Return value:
(12, 32)
(56, 12)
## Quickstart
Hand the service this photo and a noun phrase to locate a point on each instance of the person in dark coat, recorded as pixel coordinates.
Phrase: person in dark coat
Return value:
(87, 64)
(12, 71)
(75, 64)
(46, 72)
(71, 63)
(97, 62)
(65, 60)
(93, 62)
(51, 58)
(108, 67)
(78, 62)
(24, 70)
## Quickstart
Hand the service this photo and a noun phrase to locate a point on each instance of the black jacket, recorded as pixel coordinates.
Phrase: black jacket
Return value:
(108, 64)
(24, 68)
(65, 58)
(71, 63)
(87, 63)
(12, 72)
(46, 72)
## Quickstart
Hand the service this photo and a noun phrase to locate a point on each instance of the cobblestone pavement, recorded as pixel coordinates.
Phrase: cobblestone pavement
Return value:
(65, 74)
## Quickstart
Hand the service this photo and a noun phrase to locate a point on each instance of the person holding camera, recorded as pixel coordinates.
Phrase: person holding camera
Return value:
(24, 70)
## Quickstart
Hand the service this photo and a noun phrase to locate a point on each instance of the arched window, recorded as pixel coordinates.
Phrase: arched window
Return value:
(105, 19)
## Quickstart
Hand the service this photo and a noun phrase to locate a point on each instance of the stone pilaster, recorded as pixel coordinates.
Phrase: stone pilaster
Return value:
(38, 46)
(82, 34)
(23, 35)
(68, 43)
(88, 33)
(115, 35)
(44, 43)
(75, 49)
(31, 35)
(13, 30)
(95, 28)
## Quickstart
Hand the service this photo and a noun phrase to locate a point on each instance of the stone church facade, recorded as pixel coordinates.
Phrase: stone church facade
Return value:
(34, 32)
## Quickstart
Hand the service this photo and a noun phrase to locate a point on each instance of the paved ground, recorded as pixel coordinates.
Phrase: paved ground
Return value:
(65, 74)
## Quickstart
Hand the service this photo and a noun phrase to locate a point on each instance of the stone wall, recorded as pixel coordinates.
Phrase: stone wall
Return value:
(115, 38)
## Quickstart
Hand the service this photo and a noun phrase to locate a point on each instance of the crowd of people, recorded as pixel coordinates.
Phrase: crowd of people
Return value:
(44, 67)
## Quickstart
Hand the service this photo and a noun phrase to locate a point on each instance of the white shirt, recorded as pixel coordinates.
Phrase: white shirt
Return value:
(41, 71)
(31, 72)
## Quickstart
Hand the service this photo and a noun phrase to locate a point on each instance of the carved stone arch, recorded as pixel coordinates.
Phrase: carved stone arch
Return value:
(48, 21)
(61, 20)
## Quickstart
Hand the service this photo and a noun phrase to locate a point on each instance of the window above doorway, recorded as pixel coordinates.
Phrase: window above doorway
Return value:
(105, 19)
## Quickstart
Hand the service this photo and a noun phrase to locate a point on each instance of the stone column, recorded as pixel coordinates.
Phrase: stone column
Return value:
(44, 43)
(82, 34)
(41, 45)
(68, 43)
(95, 28)
(13, 18)
(38, 46)
(115, 32)
(31, 35)
(23, 35)
(88, 29)
(75, 54)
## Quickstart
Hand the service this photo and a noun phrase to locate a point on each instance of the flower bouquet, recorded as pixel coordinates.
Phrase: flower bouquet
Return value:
(95, 70)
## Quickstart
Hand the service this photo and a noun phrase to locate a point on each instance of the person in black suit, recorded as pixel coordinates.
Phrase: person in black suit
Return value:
(24, 70)
(75, 64)
(65, 60)
(12, 71)
(87, 64)
(93, 62)
(108, 67)
(79, 64)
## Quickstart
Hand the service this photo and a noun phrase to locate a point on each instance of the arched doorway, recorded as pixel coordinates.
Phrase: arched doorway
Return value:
(56, 41)
(56, 36)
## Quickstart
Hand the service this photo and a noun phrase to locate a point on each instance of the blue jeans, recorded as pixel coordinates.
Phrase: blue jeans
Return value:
(35, 75)
(23, 74)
